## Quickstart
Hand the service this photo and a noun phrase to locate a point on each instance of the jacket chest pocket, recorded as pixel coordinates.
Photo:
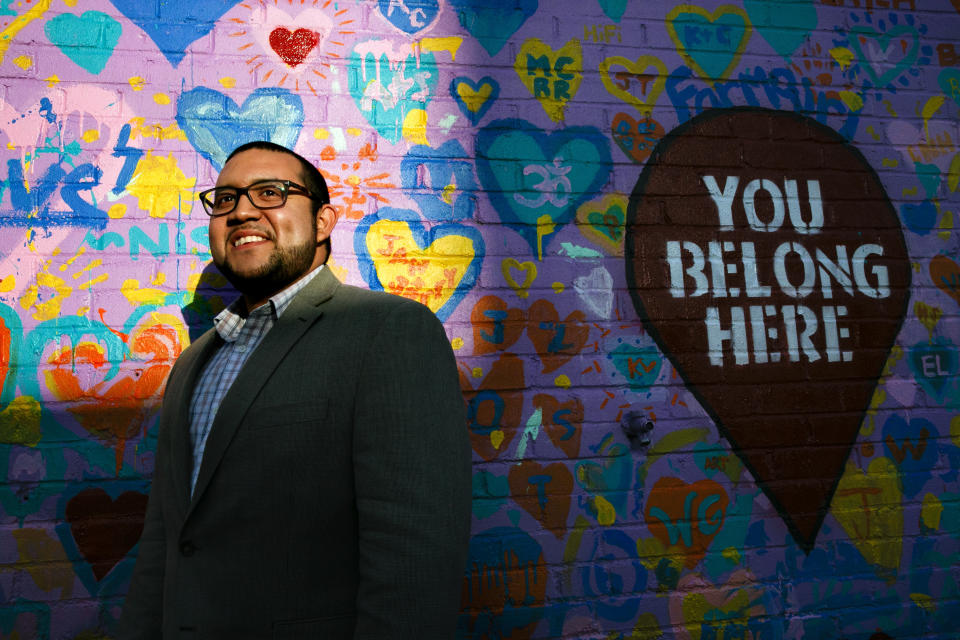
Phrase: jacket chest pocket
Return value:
(274, 416)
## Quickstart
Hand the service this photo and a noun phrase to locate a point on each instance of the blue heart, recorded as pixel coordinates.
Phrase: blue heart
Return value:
(410, 16)
(934, 364)
(639, 365)
(476, 87)
(528, 173)
(424, 238)
(614, 8)
(88, 39)
(492, 22)
(385, 91)
(913, 448)
(174, 24)
(919, 218)
(215, 126)
(440, 181)
(785, 25)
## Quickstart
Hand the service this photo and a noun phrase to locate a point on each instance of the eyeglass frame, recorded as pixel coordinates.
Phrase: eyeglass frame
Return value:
(245, 191)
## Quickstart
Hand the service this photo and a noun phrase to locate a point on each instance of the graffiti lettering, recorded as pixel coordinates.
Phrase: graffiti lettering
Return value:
(554, 185)
(158, 247)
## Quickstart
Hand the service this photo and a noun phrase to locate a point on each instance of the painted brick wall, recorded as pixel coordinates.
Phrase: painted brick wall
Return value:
(709, 351)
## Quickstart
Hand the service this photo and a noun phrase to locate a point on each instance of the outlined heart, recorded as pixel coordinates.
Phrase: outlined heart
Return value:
(686, 515)
(711, 43)
(602, 221)
(435, 266)
(536, 180)
(215, 125)
(945, 273)
(552, 76)
(105, 529)
(869, 507)
(635, 76)
(886, 55)
(389, 80)
(563, 422)
(493, 22)
(293, 47)
(440, 180)
(555, 341)
(934, 364)
(495, 325)
(595, 290)
(409, 17)
(636, 138)
(543, 491)
(495, 407)
(174, 24)
(474, 98)
(88, 39)
(527, 268)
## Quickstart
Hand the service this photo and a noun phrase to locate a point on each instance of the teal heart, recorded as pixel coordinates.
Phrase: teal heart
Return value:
(934, 364)
(492, 22)
(874, 49)
(929, 177)
(614, 8)
(784, 25)
(949, 81)
(529, 174)
(87, 39)
(386, 89)
(490, 492)
(639, 365)
(611, 478)
(609, 223)
(712, 45)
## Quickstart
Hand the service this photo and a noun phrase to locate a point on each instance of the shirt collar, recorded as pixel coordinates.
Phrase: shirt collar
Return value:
(230, 321)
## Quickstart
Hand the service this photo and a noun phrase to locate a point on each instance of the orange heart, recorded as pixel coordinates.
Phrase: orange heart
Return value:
(543, 492)
(495, 327)
(562, 420)
(686, 515)
(495, 408)
(555, 341)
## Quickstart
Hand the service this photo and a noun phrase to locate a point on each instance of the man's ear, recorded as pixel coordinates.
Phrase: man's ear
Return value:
(326, 221)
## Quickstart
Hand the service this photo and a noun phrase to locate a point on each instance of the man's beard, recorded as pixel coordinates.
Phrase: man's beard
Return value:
(284, 266)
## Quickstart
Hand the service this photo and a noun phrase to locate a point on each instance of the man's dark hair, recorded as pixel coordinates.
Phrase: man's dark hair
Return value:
(311, 176)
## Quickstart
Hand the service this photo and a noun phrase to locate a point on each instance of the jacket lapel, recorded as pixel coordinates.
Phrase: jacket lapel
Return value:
(178, 397)
(304, 310)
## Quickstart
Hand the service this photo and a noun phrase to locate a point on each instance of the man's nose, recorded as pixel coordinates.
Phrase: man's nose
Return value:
(245, 210)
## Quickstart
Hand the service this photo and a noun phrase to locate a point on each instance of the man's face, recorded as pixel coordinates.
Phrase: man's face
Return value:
(263, 251)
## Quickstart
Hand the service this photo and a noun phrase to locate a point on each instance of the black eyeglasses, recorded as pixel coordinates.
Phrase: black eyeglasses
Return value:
(264, 194)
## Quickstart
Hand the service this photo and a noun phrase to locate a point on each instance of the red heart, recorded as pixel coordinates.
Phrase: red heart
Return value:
(636, 138)
(105, 529)
(562, 421)
(495, 327)
(543, 492)
(293, 48)
(556, 342)
(496, 405)
(686, 515)
(945, 273)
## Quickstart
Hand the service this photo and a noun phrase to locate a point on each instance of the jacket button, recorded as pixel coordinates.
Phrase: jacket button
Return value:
(187, 548)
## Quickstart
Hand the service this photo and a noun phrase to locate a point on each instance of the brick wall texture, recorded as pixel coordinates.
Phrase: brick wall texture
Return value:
(699, 264)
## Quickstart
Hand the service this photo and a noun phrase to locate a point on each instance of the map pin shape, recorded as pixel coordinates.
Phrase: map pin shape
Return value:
(764, 256)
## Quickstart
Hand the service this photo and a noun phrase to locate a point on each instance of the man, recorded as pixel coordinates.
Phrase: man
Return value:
(313, 471)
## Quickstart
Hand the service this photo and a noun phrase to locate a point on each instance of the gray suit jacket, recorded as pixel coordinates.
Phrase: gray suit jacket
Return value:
(333, 499)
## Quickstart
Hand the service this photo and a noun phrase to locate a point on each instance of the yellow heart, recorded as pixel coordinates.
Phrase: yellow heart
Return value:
(869, 508)
(428, 275)
(474, 100)
(553, 77)
(635, 72)
(529, 270)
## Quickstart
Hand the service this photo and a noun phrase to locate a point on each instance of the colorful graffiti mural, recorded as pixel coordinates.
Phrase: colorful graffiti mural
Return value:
(699, 264)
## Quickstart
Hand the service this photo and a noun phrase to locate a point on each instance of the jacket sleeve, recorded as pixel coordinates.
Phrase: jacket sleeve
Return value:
(412, 478)
(142, 615)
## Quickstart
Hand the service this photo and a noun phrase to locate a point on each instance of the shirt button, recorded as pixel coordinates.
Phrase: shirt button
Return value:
(187, 548)
(241, 348)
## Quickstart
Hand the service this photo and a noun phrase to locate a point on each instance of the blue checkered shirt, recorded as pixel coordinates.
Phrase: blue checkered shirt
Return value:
(241, 334)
